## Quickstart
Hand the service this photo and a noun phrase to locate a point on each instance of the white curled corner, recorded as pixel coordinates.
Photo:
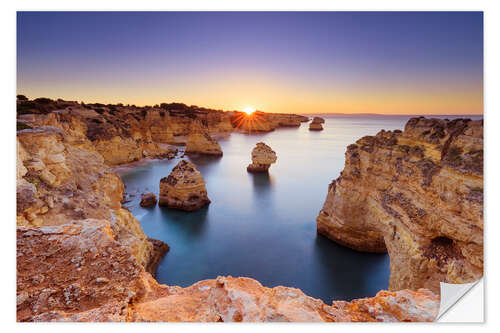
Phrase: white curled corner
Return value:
(452, 294)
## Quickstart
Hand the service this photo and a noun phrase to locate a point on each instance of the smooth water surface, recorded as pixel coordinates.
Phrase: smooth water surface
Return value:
(263, 226)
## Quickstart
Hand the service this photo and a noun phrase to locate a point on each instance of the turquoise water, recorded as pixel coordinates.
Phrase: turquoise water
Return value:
(264, 226)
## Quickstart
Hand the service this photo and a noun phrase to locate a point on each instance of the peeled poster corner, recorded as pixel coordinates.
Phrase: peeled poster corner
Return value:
(462, 303)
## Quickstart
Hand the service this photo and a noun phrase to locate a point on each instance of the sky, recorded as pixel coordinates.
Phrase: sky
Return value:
(298, 62)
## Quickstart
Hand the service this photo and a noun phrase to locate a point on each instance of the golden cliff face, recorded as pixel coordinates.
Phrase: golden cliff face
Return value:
(59, 180)
(417, 194)
(80, 272)
(126, 134)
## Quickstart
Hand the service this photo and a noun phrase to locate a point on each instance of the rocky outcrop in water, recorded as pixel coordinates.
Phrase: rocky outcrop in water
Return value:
(200, 142)
(184, 188)
(315, 124)
(123, 134)
(318, 120)
(80, 272)
(262, 158)
(417, 194)
(148, 199)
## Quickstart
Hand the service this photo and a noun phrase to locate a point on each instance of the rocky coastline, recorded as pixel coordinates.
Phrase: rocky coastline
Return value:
(82, 256)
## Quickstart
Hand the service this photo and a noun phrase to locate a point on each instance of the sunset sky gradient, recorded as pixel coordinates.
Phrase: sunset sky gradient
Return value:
(299, 62)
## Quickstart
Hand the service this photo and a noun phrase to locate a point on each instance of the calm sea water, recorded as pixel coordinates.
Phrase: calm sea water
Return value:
(264, 226)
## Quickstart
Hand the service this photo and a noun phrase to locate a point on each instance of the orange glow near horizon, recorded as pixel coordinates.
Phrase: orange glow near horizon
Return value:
(249, 110)
(274, 95)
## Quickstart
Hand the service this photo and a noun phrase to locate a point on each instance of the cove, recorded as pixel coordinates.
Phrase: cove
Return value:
(263, 226)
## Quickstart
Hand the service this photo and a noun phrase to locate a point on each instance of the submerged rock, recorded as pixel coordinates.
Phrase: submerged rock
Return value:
(184, 188)
(148, 199)
(200, 142)
(262, 158)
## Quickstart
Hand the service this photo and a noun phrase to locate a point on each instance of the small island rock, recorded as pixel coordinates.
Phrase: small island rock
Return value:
(315, 124)
(148, 199)
(262, 158)
(184, 188)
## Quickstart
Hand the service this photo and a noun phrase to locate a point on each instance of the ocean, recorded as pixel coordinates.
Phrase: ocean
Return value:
(263, 226)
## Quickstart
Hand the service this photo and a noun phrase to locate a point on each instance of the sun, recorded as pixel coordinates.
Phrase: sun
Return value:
(249, 110)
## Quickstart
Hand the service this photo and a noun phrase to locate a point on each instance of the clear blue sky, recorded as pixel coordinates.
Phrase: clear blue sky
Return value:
(386, 62)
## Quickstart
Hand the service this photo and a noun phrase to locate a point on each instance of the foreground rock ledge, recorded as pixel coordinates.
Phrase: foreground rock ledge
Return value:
(262, 158)
(417, 194)
(184, 188)
(79, 272)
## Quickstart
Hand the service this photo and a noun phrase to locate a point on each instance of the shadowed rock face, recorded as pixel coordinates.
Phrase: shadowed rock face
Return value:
(184, 188)
(315, 127)
(417, 194)
(79, 272)
(262, 158)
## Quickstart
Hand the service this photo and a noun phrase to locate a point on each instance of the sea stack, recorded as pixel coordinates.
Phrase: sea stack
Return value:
(315, 124)
(200, 142)
(148, 199)
(184, 188)
(262, 158)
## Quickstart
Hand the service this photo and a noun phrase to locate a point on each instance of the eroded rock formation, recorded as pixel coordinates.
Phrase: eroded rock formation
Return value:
(61, 178)
(417, 194)
(262, 158)
(200, 142)
(148, 199)
(80, 272)
(184, 188)
(315, 124)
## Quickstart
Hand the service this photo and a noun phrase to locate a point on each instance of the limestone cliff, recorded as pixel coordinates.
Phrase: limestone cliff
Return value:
(123, 134)
(265, 122)
(80, 272)
(417, 194)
